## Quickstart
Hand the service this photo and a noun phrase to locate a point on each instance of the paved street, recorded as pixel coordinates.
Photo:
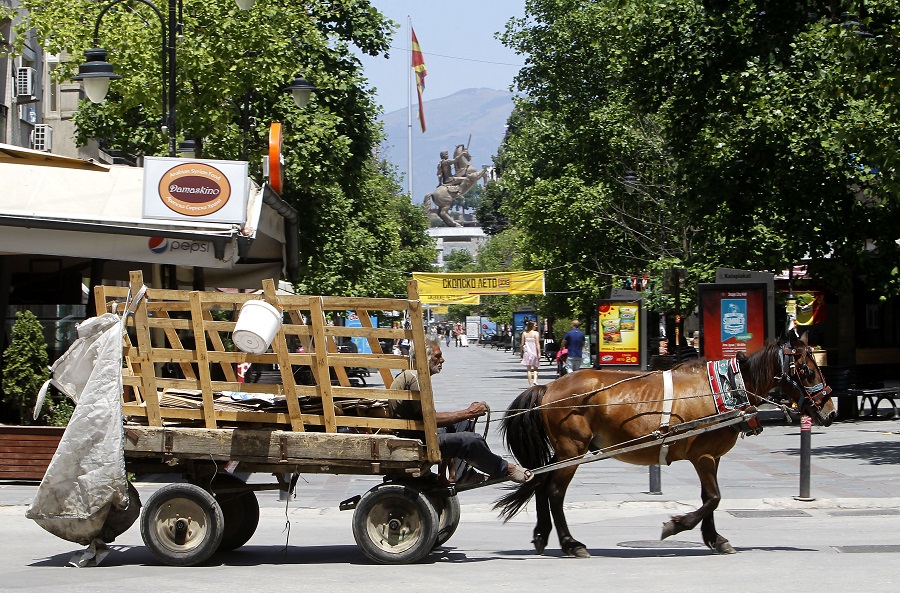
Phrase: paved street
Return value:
(844, 540)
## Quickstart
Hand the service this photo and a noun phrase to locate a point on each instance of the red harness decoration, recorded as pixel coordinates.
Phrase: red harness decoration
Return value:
(729, 393)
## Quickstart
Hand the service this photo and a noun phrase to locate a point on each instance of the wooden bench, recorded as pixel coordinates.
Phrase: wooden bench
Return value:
(26, 451)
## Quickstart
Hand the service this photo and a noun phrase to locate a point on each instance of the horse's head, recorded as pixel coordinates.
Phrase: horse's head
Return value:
(802, 380)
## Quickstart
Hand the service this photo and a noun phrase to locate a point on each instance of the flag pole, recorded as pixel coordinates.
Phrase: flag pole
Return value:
(409, 75)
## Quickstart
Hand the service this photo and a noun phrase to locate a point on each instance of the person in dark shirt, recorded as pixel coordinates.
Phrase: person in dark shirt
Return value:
(454, 440)
(573, 341)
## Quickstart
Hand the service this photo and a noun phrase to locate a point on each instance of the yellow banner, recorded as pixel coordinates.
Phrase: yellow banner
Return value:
(475, 283)
(440, 309)
(450, 299)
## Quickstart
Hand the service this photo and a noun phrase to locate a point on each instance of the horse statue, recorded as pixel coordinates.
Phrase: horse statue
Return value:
(596, 411)
(465, 176)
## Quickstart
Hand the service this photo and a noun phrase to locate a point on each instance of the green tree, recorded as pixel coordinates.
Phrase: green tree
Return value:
(489, 211)
(25, 367)
(231, 68)
(748, 133)
(459, 260)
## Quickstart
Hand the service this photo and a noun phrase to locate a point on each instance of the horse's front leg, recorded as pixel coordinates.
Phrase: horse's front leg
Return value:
(706, 467)
(708, 526)
(556, 493)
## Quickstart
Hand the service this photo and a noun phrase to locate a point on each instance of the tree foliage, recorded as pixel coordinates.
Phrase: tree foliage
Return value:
(232, 67)
(24, 367)
(741, 133)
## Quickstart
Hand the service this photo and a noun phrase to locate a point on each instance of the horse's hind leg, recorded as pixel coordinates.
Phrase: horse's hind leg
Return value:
(707, 467)
(544, 521)
(556, 491)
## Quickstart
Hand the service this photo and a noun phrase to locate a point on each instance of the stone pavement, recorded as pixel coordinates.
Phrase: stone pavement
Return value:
(843, 540)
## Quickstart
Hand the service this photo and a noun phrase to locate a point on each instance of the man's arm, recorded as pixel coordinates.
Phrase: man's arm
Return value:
(476, 410)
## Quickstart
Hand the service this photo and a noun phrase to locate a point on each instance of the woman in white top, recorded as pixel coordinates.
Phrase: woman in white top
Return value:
(531, 352)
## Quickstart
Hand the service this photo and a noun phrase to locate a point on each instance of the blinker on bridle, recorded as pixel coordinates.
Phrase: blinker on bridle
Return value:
(794, 364)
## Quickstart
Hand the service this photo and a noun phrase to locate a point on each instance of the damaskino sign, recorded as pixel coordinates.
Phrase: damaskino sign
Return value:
(179, 189)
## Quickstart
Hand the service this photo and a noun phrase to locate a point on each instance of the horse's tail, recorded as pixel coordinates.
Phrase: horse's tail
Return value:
(523, 430)
(427, 204)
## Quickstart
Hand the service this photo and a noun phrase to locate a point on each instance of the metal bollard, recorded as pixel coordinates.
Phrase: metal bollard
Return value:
(655, 480)
(805, 458)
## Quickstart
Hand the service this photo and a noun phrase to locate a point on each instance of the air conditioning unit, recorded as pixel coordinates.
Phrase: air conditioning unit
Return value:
(42, 137)
(25, 82)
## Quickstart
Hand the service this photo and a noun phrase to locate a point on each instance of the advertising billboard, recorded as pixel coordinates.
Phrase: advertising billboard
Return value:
(620, 330)
(733, 319)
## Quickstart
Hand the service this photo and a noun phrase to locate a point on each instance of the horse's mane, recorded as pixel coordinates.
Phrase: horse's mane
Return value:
(757, 367)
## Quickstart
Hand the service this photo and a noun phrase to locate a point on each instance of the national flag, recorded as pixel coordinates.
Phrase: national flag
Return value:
(418, 64)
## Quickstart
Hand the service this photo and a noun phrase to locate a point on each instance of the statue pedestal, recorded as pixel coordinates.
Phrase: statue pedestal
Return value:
(451, 238)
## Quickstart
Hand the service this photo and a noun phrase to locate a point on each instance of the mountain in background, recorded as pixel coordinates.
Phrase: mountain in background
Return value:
(481, 113)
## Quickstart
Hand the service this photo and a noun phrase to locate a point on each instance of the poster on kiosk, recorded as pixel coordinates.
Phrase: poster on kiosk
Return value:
(733, 319)
(622, 334)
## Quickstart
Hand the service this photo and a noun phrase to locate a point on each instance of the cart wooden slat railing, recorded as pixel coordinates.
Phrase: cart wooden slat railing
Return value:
(164, 331)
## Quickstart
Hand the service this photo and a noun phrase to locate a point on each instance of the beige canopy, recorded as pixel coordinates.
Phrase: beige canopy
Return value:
(56, 211)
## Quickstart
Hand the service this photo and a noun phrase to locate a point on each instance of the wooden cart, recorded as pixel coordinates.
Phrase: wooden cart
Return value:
(186, 412)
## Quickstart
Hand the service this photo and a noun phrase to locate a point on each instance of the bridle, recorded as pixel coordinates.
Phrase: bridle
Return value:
(795, 369)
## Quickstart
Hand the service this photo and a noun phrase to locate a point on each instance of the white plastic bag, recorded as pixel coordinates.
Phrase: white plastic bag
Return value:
(86, 478)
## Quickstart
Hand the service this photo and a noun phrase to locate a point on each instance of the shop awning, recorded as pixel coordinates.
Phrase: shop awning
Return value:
(52, 205)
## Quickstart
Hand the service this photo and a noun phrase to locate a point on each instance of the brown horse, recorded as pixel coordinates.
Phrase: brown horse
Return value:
(594, 410)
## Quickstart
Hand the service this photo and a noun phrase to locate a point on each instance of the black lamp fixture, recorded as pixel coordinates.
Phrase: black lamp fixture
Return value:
(301, 89)
(630, 181)
(187, 149)
(96, 72)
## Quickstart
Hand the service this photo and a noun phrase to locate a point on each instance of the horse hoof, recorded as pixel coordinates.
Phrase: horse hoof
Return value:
(539, 545)
(579, 552)
(724, 548)
(669, 528)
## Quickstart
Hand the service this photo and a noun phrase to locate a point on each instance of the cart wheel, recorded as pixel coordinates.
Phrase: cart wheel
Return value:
(240, 511)
(395, 524)
(448, 518)
(182, 524)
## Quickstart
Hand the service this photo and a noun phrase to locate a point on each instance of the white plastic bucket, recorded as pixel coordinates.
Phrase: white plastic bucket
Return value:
(257, 324)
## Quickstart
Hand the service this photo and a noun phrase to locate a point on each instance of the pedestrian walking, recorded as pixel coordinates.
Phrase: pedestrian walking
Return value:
(530, 352)
(574, 343)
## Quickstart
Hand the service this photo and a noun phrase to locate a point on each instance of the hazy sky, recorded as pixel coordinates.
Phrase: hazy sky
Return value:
(458, 41)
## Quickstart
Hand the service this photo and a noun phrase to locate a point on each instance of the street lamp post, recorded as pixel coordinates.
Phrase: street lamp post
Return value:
(96, 72)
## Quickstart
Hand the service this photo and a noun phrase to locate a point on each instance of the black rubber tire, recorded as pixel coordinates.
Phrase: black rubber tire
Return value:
(395, 524)
(195, 511)
(448, 518)
(240, 511)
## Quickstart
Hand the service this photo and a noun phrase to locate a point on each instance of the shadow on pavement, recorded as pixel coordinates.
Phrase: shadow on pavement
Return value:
(875, 453)
(655, 552)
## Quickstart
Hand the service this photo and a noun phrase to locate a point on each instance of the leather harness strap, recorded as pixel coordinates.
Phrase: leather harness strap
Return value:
(668, 401)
